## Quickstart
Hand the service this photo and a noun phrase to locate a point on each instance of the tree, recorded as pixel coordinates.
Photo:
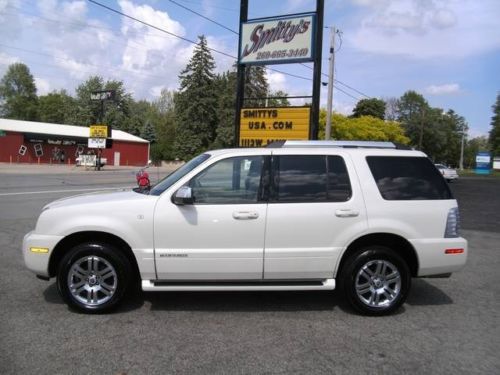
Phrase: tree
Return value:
(278, 99)
(364, 128)
(148, 132)
(18, 94)
(412, 110)
(453, 127)
(56, 107)
(370, 107)
(472, 147)
(116, 111)
(165, 124)
(226, 106)
(391, 109)
(494, 136)
(196, 103)
(88, 111)
(256, 86)
(431, 130)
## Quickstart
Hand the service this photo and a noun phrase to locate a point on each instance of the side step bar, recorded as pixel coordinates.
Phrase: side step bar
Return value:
(225, 286)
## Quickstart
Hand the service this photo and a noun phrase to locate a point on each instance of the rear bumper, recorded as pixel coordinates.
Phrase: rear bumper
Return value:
(432, 256)
(36, 252)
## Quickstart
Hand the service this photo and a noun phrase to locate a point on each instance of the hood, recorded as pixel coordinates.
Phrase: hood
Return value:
(125, 196)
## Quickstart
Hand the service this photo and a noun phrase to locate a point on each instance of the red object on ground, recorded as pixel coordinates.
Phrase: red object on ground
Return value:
(142, 178)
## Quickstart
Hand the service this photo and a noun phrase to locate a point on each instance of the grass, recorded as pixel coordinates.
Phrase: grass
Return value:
(472, 172)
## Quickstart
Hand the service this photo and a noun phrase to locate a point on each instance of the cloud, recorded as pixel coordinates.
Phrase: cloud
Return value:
(443, 18)
(343, 108)
(427, 29)
(7, 59)
(42, 85)
(147, 48)
(222, 63)
(445, 89)
(10, 21)
(276, 81)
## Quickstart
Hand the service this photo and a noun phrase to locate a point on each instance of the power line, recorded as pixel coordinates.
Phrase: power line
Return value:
(275, 70)
(202, 16)
(188, 40)
(74, 23)
(340, 82)
(211, 6)
(195, 43)
(157, 28)
(87, 64)
(175, 35)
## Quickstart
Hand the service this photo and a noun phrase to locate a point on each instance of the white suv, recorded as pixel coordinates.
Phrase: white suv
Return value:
(306, 215)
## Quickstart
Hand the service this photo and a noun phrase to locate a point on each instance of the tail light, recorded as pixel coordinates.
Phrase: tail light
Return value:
(452, 224)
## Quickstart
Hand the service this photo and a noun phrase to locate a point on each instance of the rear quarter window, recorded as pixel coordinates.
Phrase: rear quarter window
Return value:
(408, 178)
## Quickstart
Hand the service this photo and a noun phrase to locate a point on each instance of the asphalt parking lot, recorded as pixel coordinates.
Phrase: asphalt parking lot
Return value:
(447, 326)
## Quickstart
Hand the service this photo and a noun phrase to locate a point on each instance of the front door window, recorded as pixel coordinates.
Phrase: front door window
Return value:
(229, 181)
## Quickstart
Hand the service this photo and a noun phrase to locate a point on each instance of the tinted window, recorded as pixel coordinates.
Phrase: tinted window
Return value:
(310, 178)
(229, 181)
(408, 178)
(339, 186)
(173, 177)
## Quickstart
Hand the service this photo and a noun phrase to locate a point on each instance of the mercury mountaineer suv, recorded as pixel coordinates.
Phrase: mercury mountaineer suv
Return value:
(362, 217)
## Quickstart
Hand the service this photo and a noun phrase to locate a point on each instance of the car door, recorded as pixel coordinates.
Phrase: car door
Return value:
(315, 209)
(221, 235)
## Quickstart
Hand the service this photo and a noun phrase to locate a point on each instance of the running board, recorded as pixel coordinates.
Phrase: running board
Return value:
(225, 286)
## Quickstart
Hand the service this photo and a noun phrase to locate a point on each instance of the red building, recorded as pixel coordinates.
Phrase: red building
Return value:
(33, 142)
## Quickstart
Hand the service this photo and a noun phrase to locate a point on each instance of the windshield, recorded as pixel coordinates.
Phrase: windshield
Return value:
(173, 177)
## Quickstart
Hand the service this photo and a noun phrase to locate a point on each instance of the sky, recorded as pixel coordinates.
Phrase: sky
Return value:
(446, 50)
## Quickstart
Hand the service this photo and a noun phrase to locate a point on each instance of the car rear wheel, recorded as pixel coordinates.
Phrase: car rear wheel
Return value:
(93, 277)
(375, 280)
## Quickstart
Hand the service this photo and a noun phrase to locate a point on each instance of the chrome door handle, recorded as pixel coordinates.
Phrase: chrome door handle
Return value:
(245, 215)
(346, 213)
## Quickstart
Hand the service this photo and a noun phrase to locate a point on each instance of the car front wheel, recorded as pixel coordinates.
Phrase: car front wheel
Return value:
(375, 280)
(93, 277)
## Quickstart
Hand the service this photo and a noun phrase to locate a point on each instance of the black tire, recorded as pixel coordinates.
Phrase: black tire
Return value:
(93, 277)
(372, 290)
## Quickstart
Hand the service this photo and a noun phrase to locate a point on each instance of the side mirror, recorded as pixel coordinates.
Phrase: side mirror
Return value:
(183, 196)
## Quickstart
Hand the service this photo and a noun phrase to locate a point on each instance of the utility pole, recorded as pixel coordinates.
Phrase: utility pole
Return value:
(421, 138)
(461, 163)
(331, 69)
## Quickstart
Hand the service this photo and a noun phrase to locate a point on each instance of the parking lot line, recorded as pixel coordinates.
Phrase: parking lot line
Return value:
(62, 191)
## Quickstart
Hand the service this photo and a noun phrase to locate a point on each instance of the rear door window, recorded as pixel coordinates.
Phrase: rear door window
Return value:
(408, 178)
(310, 178)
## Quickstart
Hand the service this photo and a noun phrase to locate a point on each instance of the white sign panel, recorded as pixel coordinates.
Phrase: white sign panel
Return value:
(483, 159)
(277, 41)
(97, 143)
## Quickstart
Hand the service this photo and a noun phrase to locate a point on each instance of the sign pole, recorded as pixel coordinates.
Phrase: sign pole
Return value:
(240, 91)
(320, 5)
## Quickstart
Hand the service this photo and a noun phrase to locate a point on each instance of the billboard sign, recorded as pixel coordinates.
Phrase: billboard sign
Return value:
(103, 95)
(97, 143)
(261, 126)
(483, 163)
(99, 131)
(277, 40)
(22, 150)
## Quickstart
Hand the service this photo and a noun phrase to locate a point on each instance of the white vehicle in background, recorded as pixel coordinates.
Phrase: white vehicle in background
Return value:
(448, 173)
(361, 217)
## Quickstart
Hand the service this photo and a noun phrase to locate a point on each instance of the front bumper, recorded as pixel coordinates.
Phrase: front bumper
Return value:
(432, 256)
(37, 249)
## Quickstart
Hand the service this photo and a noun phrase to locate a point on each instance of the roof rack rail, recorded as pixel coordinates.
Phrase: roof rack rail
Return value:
(342, 144)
